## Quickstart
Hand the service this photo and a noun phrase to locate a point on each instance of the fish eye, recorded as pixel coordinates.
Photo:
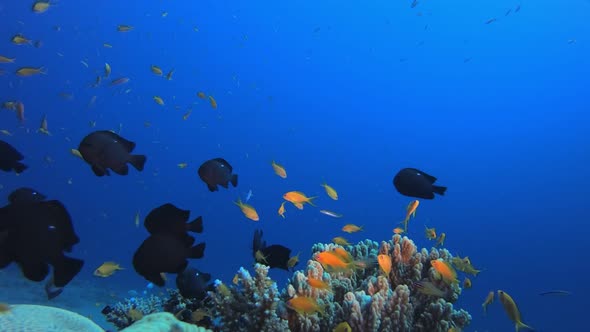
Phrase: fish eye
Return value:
(52, 227)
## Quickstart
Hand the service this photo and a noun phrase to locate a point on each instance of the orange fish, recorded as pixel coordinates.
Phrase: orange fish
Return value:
(398, 230)
(332, 261)
(410, 212)
(319, 284)
(297, 197)
(201, 95)
(305, 305)
(489, 299)
(446, 271)
(247, 210)
(279, 170)
(430, 233)
(124, 28)
(20, 111)
(282, 210)
(385, 263)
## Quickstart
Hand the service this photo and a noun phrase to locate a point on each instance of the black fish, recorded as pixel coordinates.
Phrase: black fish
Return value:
(168, 219)
(25, 195)
(164, 253)
(10, 158)
(193, 284)
(415, 183)
(275, 255)
(36, 236)
(104, 149)
(257, 242)
(216, 172)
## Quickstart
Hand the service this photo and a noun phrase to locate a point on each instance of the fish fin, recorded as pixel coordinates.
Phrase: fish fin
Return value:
(439, 189)
(50, 290)
(99, 171)
(20, 167)
(65, 269)
(196, 225)
(156, 279)
(188, 240)
(234, 180)
(121, 170)
(138, 161)
(197, 251)
(35, 271)
(310, 200)
(211, 188)
(225, 185)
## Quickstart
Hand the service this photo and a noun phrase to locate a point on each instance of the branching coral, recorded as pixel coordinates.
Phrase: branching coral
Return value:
(251, 305)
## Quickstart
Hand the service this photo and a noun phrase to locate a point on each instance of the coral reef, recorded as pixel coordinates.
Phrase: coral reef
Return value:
(250, 304)
(163, 322)
(387, 286)
(360, 292)
(123, 314)
(28, 317)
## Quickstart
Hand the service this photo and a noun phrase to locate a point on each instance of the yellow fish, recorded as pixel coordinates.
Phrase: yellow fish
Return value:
(169, 75)
(76, 153)
(5, 132)
(20, 40)
(279, 170)
(330, 191)
(187, 114)
(107, 70)
(489, 299)
(107, 269)
(156, 70)
(107, 45)
(342, 327)
(201, 95)
(213, 102)
(351, 228)
(43, 127)
(182, 165)
(339, 240)
(297, 197)
(512, 310)
(4, 59)
(30, 71)
(124, 28)
(40, 7)
(247, 210)
(441, 240)
(293, 260)
(158, 100)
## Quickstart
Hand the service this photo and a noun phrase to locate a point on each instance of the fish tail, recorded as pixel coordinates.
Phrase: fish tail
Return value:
(309, 201)
(520, 325)
(439, 189)
(20, 167)
(234, 180)
(138, 161)
(43, 70)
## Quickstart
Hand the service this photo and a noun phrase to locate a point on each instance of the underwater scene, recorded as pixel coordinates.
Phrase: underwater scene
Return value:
(399, 165)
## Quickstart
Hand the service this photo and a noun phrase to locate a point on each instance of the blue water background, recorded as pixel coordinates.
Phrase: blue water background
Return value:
(346, 92)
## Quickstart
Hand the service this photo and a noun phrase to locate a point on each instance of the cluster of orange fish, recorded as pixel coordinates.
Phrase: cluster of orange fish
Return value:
(297, 198)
